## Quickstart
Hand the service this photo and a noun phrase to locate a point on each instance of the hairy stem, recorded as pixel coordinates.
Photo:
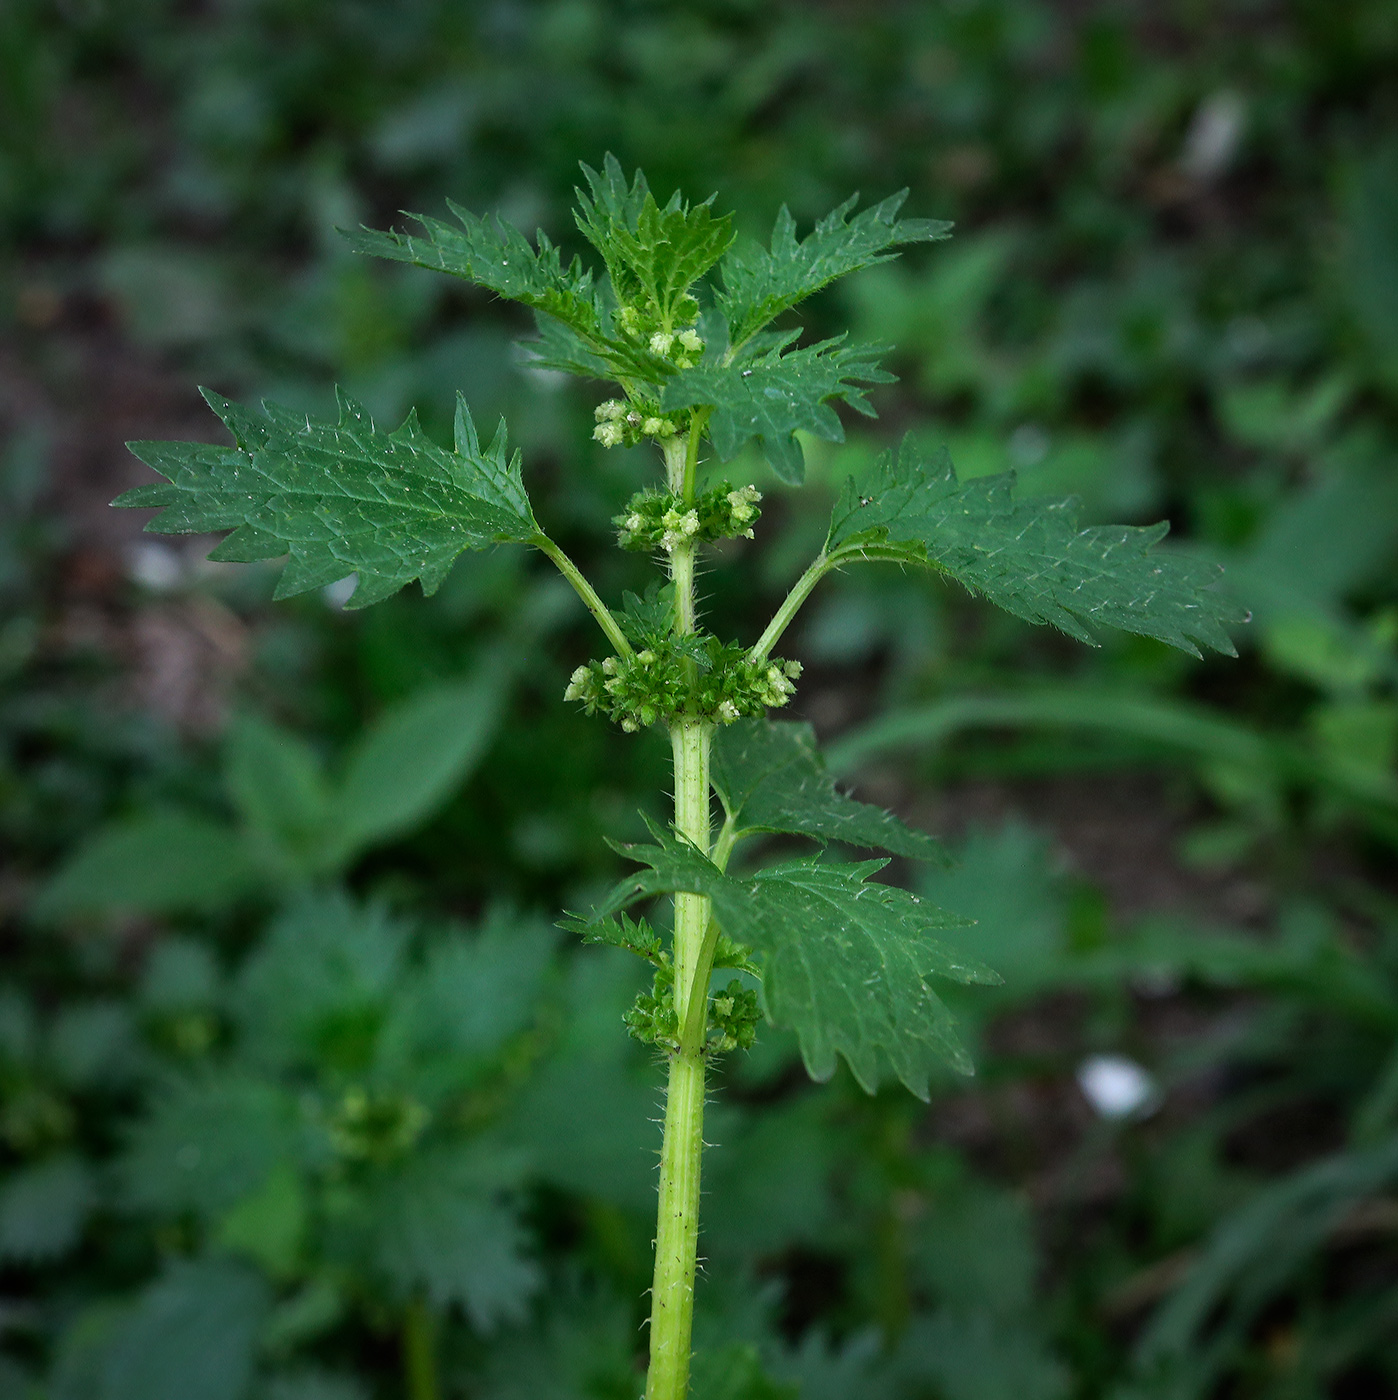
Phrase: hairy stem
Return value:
(805, 585)
(677, 1223)
(586, 592)
(677, 1230)
(791, 604)
(697, 420)
(682, 574)
(420, 1352)
(677, 1220)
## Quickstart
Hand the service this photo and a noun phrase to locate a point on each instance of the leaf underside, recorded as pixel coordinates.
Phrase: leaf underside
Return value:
(845, 960)
(339, 498)
(771, 777)
(1030, 557)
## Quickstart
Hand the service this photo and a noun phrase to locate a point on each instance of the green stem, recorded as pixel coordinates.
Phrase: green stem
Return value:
(677, 1222)
(677, 1230)
(801, 590)
(420, 1352)
(791, 604)
(697, 419)
(682, 574)
(676, 453)
(586, 592)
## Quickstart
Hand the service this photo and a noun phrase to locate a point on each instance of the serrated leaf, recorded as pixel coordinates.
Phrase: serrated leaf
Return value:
(43, 1210)
(1030, 557)
(649, 620)
(492, 254)
(846, 960)
(770, 776)
(442, 1230)
(760, 283)
(578, 335)
(653, 255)
(621, 931)
(193, 1332)
(341, 498)
(772, 396)
(561, 348)
(154, 865)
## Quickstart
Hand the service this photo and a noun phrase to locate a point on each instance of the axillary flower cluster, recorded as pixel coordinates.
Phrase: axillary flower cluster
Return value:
(621, 424)
(656, 520)
(694, 677)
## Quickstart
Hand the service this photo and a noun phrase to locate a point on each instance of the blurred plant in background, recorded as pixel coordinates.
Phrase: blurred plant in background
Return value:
(1173, 291)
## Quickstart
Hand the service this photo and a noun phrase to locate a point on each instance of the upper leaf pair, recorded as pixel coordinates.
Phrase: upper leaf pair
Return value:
(655, 258)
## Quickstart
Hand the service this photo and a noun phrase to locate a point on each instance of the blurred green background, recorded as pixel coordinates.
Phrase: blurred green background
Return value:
(300, 1090)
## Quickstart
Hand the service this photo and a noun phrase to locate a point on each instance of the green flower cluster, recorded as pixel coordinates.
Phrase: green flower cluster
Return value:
(733, 1015)
(682, 348)
(701, 678)
(660, 519)
(652, 1019)
(378, 1127)
(622, 424)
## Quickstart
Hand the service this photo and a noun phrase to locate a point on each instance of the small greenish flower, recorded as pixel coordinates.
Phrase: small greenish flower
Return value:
(580, 684)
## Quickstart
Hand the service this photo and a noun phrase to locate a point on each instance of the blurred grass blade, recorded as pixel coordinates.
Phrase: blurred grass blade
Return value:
(1173, 726)
(1253, 1254)
(1165, 726)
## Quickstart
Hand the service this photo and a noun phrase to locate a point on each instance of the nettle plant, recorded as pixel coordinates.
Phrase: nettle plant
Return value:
(838, 957)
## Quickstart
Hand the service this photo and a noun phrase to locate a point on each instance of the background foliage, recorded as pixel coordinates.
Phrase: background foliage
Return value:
(297, 1081)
